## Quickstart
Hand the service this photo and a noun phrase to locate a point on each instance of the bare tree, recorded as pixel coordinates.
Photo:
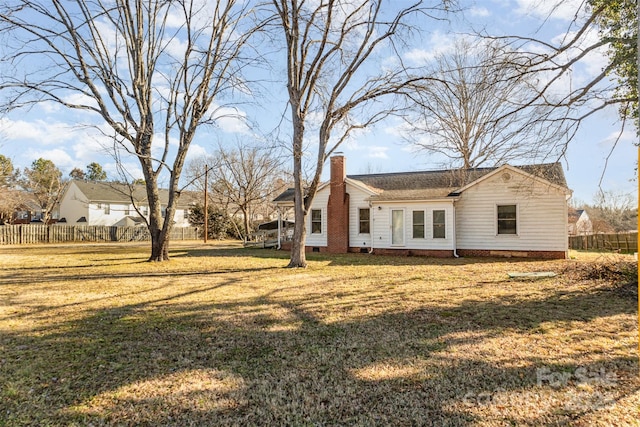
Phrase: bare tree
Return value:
(152, 70)
(599, 26)
(469, 111)
(618, 209)
(333, 77)
(241, 178)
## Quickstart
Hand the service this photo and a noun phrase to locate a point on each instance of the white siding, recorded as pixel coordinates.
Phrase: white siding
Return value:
(358, 200)
(382, 225)
(74, 205)
(541, 215)
(319, 202)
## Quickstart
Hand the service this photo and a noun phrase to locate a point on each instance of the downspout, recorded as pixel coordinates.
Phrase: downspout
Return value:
(455, 236)
(279, 228)
(372, 227)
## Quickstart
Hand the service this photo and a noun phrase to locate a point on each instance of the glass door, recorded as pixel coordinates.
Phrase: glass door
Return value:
(397, 227)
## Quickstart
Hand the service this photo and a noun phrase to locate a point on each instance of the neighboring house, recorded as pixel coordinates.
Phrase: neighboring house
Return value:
(500, 211)
(579, 222)
(106, 203)
(28, 209)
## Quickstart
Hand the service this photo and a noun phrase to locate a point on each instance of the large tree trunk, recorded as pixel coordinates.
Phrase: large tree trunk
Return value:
(159, 246)
(298, 256)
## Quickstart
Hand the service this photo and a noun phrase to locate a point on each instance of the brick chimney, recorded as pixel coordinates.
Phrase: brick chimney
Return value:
(338, 208)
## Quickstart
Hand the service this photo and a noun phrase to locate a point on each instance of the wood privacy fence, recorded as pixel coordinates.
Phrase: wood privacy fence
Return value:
(621, 242)
(57, 233)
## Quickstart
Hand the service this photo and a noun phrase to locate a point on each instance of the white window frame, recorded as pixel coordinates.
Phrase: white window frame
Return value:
(433, 223)
(424, 224)
(360, 221)
(311, 221)
(503, 235)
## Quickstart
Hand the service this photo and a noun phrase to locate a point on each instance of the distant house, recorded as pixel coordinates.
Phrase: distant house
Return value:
(105, 203)
(579, 222)
(27, 209)
(499, 211)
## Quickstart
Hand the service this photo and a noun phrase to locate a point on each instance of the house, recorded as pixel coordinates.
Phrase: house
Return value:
(26, 208)
(579, 222)
(107, 203)
(499, 211)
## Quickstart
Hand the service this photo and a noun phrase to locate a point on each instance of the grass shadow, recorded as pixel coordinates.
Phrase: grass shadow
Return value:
(275, 359)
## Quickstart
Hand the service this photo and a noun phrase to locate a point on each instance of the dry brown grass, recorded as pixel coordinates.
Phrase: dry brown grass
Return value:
(93, 335)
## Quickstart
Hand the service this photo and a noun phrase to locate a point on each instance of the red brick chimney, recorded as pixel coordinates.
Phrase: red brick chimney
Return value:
(338, 208)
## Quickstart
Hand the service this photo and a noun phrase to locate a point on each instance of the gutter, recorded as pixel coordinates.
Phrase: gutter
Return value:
(455, 236)
(279, 229)
(372, 225)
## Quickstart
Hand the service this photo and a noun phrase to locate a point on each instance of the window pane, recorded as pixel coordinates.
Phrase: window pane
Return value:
(418, 224)
(316, 221)
(439, 229)
(507, 219)
(364, 221)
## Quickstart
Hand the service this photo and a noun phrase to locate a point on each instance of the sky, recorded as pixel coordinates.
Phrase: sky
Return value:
(591, 160)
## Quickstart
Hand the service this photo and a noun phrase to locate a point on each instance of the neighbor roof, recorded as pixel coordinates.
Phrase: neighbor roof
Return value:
(111, 192)
(436, 184)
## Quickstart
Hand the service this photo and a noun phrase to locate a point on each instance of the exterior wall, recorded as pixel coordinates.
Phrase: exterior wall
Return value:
(357, 201)
(319, 202)
(541, 216)
(74, 205)
(512, 254)
(382, 226)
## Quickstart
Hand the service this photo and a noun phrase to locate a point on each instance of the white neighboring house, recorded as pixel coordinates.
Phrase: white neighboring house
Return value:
(106, 203)
(579, 222)
(500, 211)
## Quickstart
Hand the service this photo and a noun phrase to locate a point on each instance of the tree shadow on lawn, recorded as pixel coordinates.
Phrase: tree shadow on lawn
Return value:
(272, 360)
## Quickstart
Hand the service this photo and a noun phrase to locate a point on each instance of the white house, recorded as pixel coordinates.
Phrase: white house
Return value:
(499, 211)
(106, 203)
(579, 222)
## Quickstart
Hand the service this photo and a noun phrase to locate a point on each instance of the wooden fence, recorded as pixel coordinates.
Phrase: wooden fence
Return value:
(622, 242)
(58, 233)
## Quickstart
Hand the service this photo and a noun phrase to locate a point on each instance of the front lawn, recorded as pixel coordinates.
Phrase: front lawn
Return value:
(93, 335)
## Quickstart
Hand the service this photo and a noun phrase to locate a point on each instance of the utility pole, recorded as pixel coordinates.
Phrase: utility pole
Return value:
(206, 203)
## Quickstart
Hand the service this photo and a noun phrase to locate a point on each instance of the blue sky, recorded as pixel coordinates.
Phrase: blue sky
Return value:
(51, 132)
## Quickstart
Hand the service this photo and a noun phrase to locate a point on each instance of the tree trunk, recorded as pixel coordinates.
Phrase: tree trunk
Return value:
(298, 256)
(159, 246)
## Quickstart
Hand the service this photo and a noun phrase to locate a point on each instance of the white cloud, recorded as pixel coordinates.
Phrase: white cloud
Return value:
(40, 131)
(439, 43)
(58, 156)
(479, 11)
(231, 120)
(377, 152)
(564, 10)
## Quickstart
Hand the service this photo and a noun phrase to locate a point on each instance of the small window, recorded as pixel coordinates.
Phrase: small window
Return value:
(107, 209)
(507, 219)
(316, 221)
(127, 211)
(418, 224)
(186, 214)
(439, 224)
(145, 210)
(98, 205)
(364, 215)
(163, 211)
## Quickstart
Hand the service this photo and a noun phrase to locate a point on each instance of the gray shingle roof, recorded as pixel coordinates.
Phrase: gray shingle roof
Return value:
(111, 192)
(436, 184)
